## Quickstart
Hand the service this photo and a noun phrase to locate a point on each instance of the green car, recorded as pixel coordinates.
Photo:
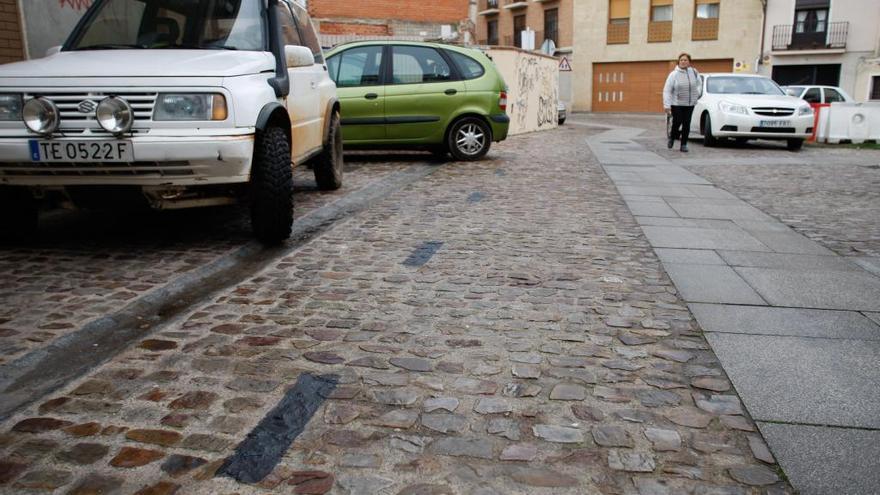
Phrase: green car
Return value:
(404, 94)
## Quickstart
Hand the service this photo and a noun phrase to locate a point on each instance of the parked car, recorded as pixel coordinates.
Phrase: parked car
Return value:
(818, 94)
(403, 94)
(561, 113)
(182, 103)
(744, 106)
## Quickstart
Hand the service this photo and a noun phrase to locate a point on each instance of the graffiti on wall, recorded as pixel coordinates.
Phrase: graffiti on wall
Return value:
(537, 93)
(75, 4)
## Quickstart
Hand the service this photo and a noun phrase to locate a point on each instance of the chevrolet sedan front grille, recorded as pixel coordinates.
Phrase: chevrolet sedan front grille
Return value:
(773, 111)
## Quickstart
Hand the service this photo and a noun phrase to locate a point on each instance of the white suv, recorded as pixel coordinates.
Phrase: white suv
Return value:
(184, 103)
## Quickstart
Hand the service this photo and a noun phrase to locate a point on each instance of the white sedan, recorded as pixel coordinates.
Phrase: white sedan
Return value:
(743, 107)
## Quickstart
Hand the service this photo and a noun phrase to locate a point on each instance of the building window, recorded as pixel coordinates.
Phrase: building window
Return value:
(660, 25)
(706, 15)
(519, 25)
(618, 22)
(492, 32)
(810, 20)
(551, 25)
(661, 10)
(706, 10)
(875, 88)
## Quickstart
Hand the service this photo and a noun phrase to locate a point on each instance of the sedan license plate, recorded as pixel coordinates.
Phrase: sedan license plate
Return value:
(775, 123)
(81, 151)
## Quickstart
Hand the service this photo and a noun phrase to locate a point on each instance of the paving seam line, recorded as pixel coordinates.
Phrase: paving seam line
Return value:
(43, 371)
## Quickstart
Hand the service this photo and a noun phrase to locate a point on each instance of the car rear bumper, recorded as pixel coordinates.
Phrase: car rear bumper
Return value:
(500, 126)
(158, 161)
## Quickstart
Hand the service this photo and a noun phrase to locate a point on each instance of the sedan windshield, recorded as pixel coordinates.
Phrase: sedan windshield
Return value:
(737, 85)
(169, 24)
(794, 90)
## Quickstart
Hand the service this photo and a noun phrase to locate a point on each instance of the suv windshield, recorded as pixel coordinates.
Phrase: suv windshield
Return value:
(161, 24)
(735, 85)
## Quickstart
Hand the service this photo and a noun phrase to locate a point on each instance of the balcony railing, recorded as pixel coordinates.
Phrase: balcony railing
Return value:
(492, 4)
(705, 29)
(659, 31)
(814, 35)
(618, 32)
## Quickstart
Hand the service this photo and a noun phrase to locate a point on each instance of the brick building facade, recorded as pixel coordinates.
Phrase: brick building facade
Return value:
(383, 18)
(11, 40)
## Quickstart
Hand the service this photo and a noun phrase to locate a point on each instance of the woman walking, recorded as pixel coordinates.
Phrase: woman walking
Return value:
(680, 94)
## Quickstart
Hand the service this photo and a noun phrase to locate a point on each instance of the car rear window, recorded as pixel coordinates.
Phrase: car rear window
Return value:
(468, 67)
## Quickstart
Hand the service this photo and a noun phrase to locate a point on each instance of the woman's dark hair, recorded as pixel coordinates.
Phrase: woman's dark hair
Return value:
(684, 54)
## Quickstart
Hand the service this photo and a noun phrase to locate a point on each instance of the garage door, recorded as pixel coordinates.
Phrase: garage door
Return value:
(638, 86)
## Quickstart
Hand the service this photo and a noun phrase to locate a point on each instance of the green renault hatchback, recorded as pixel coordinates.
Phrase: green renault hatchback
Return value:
(405, 94)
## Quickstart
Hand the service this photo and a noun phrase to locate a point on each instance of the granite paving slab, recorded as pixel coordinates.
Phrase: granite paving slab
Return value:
(692, 256)
(702, 238)
(803, 380)
(821, 289)
(651, 208)
(789, 261)
(794, 322)
(711, 283)
(821, 460)
(789, 242)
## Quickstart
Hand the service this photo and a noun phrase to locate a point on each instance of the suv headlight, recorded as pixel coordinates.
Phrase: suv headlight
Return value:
(805, 110)
(41, 116)
(197, 106)
(10, 107)
(728, 107)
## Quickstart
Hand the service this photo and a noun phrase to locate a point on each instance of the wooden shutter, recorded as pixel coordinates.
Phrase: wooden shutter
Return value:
(619, 9)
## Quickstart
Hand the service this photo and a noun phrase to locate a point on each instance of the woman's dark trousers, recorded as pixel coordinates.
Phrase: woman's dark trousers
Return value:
(681, 122)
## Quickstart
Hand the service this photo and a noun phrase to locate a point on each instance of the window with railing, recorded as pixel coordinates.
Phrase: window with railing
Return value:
(660, 24)
(492, 32)
(787, 37)
(551, 26)
(618, 22)
(706, 14)
(491, 4)
(519, 25)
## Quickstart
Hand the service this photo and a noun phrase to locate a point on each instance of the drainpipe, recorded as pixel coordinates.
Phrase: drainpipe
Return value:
(760, 60)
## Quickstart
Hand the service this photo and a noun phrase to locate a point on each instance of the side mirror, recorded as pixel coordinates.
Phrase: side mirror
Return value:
(298, 56)
(53, 50)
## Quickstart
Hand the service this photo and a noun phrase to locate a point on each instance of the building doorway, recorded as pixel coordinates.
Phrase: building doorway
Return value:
(814, 74)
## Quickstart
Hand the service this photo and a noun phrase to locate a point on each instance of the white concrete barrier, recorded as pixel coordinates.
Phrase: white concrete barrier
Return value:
(853, 122)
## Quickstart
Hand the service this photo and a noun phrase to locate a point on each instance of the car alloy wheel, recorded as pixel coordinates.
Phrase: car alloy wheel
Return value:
(470, 139)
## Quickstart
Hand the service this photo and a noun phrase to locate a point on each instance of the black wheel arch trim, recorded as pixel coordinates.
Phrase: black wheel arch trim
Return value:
(332, 106)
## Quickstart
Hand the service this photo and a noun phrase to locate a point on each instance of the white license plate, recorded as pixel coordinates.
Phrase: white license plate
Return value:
(775, 123)
(81, 151)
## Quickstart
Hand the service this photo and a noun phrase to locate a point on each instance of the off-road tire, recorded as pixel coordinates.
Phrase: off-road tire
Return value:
(271, 187)
(328, 166)
(20, 213)
(794, 144)
(708, 139)
(460, 152)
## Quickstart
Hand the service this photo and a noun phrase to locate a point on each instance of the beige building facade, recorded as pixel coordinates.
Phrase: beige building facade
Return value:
(825, 42)
(623, 49)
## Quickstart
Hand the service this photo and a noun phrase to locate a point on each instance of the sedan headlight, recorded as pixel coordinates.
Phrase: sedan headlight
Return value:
(41, 116)
(10, 107)
(728, 107)
(805, 110)
(198, 106)
(115, 115)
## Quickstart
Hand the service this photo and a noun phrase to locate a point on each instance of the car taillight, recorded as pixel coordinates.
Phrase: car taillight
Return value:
(502, 101)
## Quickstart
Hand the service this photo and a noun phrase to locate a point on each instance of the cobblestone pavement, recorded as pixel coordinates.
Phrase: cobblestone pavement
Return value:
(496, 328)
(86, 265)
(829, 194)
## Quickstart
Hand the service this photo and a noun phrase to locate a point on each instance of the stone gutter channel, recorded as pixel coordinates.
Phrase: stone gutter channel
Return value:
(795, 326)
(44, 370)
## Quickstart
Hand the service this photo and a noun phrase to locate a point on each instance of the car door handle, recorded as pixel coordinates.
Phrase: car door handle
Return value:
(451, 92)
(314, 84)
(371, 96)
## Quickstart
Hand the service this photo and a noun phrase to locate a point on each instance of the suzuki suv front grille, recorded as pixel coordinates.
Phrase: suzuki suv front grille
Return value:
(77, 109)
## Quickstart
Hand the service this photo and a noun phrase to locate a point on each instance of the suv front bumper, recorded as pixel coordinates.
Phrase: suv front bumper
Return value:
(159, 161)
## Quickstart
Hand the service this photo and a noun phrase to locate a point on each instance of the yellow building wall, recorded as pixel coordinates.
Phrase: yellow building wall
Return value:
(739, 38)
